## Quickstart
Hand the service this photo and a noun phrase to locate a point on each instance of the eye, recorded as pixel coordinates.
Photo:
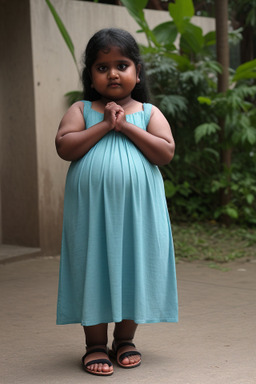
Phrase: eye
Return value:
(122, 66)
(102, 68)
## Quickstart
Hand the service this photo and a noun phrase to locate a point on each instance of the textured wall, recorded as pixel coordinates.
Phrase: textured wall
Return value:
(19, 192)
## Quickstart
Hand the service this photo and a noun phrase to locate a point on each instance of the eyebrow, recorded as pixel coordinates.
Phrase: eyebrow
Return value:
(116, 62)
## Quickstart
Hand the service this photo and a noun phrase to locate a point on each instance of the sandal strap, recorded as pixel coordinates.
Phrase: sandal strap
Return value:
(96, 361)
(124, 344)
(129, 353)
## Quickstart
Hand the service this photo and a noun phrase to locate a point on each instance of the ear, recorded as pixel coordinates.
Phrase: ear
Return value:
(138, 73)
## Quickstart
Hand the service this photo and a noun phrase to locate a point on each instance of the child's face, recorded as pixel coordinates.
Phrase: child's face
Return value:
(114, 76)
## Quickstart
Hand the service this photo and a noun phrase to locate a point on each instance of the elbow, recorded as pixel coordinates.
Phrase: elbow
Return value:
(170, 156)
(62, 151)
(166, 156)
(67, 152)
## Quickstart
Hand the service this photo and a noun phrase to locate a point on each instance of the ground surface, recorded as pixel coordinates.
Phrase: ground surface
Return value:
(213, 343)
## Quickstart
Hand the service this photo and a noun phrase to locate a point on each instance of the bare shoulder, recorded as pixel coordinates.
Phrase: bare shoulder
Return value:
(157, 120)
(73, 120)
(77, 107)
(155, 112)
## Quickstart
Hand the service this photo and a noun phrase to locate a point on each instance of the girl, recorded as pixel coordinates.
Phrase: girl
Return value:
(117, 261)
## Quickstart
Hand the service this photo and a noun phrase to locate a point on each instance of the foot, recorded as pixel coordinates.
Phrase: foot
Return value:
(96, 361)
(126, 353)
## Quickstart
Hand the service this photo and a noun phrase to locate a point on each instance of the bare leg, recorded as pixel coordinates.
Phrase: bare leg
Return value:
(96, 336)
(124, 332)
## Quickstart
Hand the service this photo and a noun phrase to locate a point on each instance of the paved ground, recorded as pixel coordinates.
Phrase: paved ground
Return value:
(213, 343)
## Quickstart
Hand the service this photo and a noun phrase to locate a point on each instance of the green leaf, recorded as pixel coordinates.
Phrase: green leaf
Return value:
(244, 76)
(249, 135)
(74, 96)
(231, 212)
(205, 130)
(245, 71)
(173, 104)
(192, 39)
(135, 5)
(204, 100)
(166, 33)
(250, 198)
(62, 29)
(183, 62)
(181, 12)
(135, 8)
(170, 189)
(210, 38)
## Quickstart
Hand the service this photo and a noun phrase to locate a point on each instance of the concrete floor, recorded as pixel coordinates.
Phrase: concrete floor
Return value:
(213, 343)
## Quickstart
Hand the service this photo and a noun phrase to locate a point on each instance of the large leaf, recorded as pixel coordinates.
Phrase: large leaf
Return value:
(181, 12)
(62, 30)
(136, 5)
(210, 38)
(192, 39)
(135, 8)
(183, 62)
(166, 33)
(245, 71)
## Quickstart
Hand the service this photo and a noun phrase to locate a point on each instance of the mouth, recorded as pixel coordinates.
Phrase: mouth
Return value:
(113, 85)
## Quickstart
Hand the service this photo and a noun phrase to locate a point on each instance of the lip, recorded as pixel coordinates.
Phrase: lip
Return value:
(113, 85)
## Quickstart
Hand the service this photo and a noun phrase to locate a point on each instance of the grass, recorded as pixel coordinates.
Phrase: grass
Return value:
(213, 243)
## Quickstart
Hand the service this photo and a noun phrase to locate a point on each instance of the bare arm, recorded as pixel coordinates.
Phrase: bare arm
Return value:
(157, 143)
(72, 140)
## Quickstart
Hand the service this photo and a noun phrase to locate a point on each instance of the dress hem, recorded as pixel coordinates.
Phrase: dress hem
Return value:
(137, 321)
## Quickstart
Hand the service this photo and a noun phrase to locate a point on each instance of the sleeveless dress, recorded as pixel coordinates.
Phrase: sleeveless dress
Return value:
(117, 258)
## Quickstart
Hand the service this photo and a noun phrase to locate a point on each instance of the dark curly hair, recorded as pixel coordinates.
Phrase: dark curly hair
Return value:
(104, 40)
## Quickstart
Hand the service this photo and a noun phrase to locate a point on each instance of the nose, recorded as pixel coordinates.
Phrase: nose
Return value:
(113, 73)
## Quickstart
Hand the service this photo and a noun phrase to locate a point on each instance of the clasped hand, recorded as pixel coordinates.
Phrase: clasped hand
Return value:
(114, 115)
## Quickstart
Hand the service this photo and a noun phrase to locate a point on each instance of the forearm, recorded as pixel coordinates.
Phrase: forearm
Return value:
(158, 150)
(72, 146)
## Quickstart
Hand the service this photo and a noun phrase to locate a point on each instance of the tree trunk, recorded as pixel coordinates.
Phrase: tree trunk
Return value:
(247, 44)
(221, 12)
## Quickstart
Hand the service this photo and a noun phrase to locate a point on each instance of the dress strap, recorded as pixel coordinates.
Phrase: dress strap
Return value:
(87, 107)
(147, 112)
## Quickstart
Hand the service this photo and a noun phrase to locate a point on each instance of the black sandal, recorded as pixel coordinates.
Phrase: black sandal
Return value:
(114, 352)
(97, 361)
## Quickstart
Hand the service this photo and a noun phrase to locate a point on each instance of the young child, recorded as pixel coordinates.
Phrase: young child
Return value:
(117, 260)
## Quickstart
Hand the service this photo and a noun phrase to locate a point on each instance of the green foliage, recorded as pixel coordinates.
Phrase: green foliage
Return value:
(74, 96)
(183, 77)
(184, 86)
(205, 130)
(245, 71)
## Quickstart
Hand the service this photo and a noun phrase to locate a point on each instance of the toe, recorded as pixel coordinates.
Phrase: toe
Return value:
(125, 361)
(107, 368)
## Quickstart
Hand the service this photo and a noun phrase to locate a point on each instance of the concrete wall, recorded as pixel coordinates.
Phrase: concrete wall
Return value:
(37, 71)
(19, 187)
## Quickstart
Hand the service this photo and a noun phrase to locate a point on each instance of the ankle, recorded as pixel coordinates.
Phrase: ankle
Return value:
(95, 346)
(117, 342)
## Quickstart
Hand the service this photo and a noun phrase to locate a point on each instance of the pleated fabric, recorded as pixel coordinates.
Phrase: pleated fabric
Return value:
(117, 257)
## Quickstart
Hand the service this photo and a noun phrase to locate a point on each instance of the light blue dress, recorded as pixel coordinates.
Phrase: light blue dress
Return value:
(117, 257)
